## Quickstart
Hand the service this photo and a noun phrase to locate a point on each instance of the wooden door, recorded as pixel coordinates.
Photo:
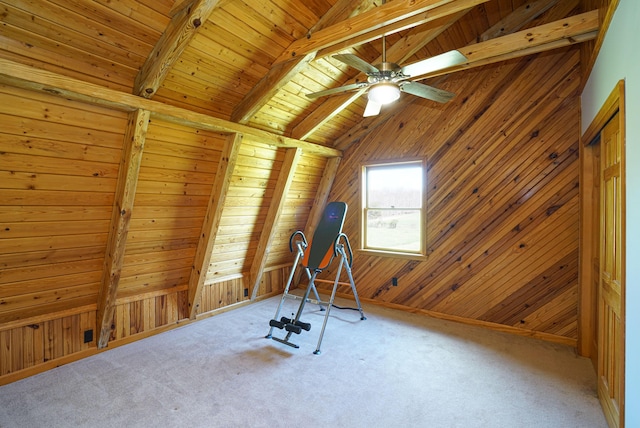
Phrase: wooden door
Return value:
(611, 281)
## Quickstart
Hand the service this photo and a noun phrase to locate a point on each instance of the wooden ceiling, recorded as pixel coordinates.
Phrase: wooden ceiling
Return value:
(253, 61)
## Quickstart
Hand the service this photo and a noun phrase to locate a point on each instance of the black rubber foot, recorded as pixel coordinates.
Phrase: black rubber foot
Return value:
(316, 352)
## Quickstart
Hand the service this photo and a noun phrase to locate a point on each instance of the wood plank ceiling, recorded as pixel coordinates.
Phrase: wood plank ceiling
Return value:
(254, 61)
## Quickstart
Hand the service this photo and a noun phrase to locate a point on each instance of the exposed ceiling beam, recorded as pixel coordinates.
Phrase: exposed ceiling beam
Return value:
(26, 77)
(276, 206)
(564, 32)
(280, 74)
(436, 17)
(323, 114)
(183, 27)
(386, 19)
(211, 223)
(518, 19)
(275, 79)
(134, 140)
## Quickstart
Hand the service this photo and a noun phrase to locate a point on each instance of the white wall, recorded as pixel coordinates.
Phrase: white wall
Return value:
(618, 59)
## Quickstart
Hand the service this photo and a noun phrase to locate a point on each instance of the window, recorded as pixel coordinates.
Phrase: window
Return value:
(393, 208)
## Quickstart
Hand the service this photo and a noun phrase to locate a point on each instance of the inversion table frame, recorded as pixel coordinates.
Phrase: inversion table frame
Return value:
(328, 242)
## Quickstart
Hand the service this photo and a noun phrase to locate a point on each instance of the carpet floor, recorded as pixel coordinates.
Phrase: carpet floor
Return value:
(393, 369)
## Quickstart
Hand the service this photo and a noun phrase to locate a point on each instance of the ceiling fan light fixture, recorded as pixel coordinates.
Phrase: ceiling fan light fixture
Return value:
(384, 93)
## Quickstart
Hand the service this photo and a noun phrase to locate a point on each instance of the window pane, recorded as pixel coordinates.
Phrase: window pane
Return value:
(398, 186)
(397, 230)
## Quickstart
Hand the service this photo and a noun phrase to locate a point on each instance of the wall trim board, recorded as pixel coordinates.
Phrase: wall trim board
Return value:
(612, 104)
(562, 340)
(76, 356)
(138, 297)
(47, 317)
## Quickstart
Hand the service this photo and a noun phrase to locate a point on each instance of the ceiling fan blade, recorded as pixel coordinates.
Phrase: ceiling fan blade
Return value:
(356, 62)
(428, 92)
(435, 63)
(338, 90)
(372, 109)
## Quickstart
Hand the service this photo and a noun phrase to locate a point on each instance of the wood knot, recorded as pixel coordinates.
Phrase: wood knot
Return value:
(197, 22)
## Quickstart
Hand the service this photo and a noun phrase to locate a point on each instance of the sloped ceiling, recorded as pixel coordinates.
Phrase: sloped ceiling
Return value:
(254, 61)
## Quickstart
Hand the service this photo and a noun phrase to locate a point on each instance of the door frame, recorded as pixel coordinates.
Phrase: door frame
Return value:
(587, 326)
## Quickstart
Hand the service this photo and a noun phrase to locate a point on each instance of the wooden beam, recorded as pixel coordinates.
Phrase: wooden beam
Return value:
(211, 222)
(517, 19)
(282, 73)
(386, 19)
(30, 78)
(120, 217)
(329, 109)
(438, 17)
(183, 27)
(285, 178)
(562, 30)
(561, 33)
(275, 79)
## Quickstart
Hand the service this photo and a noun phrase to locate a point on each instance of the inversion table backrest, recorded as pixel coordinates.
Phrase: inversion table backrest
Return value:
(321, 248)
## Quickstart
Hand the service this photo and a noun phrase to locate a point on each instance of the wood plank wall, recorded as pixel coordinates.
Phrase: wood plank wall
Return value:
(502, 219)
(40, 343)
(59, 163)
(176, 176)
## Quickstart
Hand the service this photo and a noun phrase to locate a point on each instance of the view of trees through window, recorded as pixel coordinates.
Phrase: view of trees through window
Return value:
(393, 204)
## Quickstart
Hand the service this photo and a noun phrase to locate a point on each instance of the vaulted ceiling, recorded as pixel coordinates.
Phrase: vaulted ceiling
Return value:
(254, 61)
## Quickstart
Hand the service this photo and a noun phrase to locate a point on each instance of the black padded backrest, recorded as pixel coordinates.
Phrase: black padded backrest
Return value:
(320, 251)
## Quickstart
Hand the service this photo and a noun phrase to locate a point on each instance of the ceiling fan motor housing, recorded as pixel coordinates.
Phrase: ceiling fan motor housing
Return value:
(388, 72)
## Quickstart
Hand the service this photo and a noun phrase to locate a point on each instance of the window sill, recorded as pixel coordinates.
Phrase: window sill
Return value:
(398, 255)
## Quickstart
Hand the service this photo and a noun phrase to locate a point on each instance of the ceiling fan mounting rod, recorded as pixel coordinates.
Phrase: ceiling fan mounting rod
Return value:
(384, 49)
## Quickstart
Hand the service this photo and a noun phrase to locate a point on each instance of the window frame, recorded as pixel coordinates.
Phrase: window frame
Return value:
(421, 254)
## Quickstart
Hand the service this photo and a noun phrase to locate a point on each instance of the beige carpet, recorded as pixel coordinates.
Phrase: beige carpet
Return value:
(392, 370)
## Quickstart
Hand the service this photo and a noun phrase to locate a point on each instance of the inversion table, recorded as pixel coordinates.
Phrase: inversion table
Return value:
(328, 242)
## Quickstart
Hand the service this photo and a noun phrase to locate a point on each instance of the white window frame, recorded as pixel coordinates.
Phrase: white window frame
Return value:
(412, 254)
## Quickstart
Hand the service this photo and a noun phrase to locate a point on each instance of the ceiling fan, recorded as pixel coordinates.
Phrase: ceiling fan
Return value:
(386, 80)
